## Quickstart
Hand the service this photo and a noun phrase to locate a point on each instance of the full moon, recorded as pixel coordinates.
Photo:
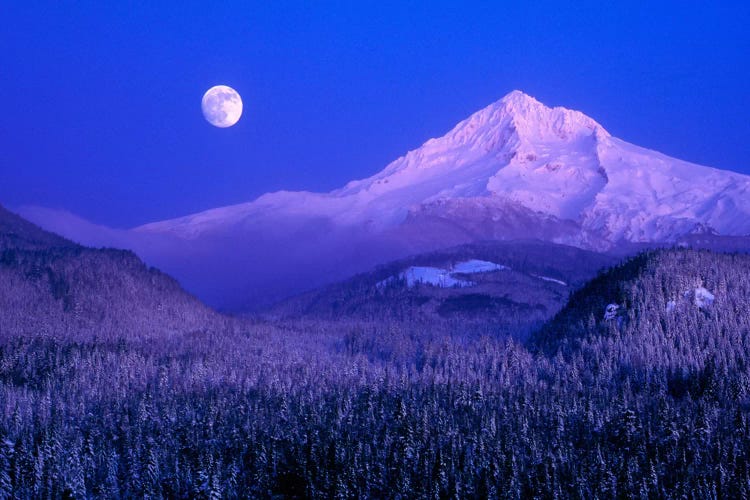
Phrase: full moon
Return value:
(222, 106)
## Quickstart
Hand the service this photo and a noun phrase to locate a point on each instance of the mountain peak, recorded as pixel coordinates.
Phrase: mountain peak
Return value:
(515, 169)
(519, 119)
(519, 98)
(535, 121)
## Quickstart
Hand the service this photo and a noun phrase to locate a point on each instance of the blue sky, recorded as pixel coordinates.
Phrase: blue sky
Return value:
(102, 114)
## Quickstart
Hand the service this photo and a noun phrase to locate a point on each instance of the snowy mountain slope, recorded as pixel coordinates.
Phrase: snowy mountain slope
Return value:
(557, 165)
(514, 170)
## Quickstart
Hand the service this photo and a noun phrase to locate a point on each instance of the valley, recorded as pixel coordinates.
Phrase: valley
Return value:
(631, 380)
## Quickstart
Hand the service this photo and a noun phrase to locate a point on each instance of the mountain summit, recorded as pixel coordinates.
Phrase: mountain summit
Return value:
(550, 164)
(516, 169)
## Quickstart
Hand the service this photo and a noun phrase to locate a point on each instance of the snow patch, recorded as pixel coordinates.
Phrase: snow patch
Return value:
(552, 280)
(610, 312)
(431, 276)
(443, 277)
(478, 266)
(703, 298)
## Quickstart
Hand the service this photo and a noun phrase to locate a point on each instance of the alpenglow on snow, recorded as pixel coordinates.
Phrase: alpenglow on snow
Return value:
(519, 157)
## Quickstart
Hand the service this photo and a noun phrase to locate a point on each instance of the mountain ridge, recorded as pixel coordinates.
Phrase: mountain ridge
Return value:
(553, 161)
(504, 287)
(16, 232)
(516, 169)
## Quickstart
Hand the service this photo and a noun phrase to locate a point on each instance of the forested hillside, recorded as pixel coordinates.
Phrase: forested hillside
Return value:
(677, 308)
(20, 234)
(53, 287)
(653, 401)
(531, 283)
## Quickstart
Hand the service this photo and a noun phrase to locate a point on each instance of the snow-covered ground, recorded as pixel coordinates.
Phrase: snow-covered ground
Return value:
(444, 277)
(431, 276)
(551, 280)
(477, 266)
(700, 297)
(703, 298)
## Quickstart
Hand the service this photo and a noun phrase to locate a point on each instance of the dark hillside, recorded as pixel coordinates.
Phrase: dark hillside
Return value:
(535, 285)
(53, 287)
(666, 308)
(20, 234)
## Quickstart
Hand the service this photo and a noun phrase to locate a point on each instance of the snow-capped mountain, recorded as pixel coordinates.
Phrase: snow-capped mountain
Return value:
(516, 166)
(514, 170)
